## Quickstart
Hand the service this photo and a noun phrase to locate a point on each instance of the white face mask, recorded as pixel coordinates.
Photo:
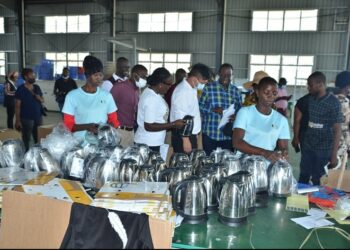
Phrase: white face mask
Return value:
(200, 86)
(65, 77)
(141, 83)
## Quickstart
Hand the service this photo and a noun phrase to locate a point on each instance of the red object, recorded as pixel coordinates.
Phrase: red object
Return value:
(69, 121)
(322, 202)
(113, 119)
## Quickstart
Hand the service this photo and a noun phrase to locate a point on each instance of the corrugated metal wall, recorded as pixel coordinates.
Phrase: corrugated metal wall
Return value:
(329, 44)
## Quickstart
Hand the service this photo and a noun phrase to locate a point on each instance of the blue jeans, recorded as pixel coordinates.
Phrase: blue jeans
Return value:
(209, 145)
(312, 165)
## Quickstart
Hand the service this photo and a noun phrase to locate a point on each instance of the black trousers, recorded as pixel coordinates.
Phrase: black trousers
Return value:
(30, 127)
(209, 145)
(177, 143)
(10, 110)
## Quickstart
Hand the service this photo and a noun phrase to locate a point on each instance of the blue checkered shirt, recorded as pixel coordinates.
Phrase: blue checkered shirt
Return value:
(214, 95)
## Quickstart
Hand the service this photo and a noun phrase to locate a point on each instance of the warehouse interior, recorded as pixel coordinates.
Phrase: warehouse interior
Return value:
(290, 39)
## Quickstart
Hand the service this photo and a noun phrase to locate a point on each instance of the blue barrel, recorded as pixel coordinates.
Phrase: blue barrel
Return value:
(2, 93)
(73, 72)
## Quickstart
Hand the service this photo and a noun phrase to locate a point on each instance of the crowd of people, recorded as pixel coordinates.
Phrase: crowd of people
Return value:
(144, 106)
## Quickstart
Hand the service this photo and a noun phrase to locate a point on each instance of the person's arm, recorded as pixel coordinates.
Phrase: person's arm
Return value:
(155, 127)
(69, 122)
(336, 140)
(113, 119)
(282, 145)
(240, 144)
(55, 89)
(296, 127)
(18, 124)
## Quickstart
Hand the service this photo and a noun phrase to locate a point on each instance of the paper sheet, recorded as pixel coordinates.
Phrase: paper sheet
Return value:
(317, 213)
(298, 203)
(226, 115)
(309, 222)
(339, 215)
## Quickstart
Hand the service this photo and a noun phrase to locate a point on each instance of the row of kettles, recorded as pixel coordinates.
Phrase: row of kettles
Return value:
(231, 184)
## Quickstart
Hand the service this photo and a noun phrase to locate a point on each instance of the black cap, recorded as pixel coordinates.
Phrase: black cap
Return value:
(92, 65)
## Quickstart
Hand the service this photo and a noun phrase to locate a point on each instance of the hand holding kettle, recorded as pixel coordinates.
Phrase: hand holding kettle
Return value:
(178, 124)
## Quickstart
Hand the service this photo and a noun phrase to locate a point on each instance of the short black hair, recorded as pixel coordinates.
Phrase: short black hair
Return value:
(201, 70)
(92, 65)
(282, 81)
(267, 80)
(180, 74)
(342, 80)
(158, 76)
(122, 59)
(138, 68)
(26, 71)
(318, 76)
(225, 65)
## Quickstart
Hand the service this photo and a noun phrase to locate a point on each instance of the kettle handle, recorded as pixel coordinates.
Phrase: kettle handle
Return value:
(165, 172)
(178, 187)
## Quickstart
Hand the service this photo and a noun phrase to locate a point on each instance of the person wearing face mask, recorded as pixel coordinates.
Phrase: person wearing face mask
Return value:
(9, 102)
(29, 99)
(217, 97)
(86, 107)
(121, 74)
(126, 96)
(63, 86)
(153, 111)
(259, 129)
(184, 101)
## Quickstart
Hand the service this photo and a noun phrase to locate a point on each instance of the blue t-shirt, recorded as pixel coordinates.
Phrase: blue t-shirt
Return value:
(30, 106)
(261, 130)
(89, 107)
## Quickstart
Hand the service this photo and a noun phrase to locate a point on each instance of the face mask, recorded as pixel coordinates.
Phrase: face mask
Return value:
(65, 77)
(31, 80)
(141, 83)
(200, 86)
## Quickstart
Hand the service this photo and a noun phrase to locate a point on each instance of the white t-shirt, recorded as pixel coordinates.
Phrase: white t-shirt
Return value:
(261, 130)
(107, 85)
(184, 101)
(152, 108)
(89, 108)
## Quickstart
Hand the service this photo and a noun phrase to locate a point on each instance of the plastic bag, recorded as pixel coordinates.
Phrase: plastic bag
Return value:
(108, 135)
(59, 141)
(343, 203)
(12, 152)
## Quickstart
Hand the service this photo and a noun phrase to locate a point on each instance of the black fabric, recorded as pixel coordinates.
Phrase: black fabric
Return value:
(89, 228)
(303, 106)
(9, 103)
(63, 87)
(177, 143)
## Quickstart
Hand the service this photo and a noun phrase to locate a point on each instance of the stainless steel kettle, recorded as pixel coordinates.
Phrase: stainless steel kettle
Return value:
(196, 154)
(159, 165)
(211, 187)
(127, 170)
(233, 201)
(202, 161)
(178, 157)
(108, 172)
(12, 151)
(280, 179)
(193, 204)
(188, 128)
(257, 166)
(144, 173)
(232, 164)
(251, 195)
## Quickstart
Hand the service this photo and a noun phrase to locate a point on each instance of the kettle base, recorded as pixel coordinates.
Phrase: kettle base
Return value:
(195, 219)
(261, 199)
(251, 210)
(280, 195)
(232, 222)
(212, 209)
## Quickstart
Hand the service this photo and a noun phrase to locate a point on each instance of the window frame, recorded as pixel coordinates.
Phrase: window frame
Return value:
(284, 20)
(2, 25)
(164, 24)
(64, 29)
(78, 62)
(296, 81)
(3, 65)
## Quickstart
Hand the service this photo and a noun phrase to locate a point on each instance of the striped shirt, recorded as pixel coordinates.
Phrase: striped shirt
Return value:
(215, 95)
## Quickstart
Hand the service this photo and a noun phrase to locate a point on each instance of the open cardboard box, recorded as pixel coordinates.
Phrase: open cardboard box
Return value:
(9, 134)
(37, 222)
(45, 130)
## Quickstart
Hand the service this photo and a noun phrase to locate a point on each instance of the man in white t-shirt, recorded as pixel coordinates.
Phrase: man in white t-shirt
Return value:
(121, 74)
(184, 101)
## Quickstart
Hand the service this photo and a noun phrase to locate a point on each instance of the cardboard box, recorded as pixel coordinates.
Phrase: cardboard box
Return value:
(9, 134)
(37, 222)
(44, 131)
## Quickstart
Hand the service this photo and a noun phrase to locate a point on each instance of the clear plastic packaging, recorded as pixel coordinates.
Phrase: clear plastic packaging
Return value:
(59, 141)
(343, 203)
(108, 135)
(12, 152)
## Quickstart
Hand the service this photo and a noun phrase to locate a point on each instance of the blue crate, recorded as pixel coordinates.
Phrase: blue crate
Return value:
(2, 93)
(73, 72)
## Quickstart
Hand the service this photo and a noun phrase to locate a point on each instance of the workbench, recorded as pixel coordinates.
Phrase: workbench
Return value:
(269, 227)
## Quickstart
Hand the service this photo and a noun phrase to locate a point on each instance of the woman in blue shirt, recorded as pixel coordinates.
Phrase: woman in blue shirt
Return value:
(259, 129)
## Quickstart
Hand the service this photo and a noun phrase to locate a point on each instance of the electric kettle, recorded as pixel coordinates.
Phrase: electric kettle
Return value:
(144, 173)
(187, 129)
(280, 179)
(211, 186)
(251, 196)
(178, 157)
(127, 170)
(159, 165)
(193, 204)
(233, 201)
(232, 164)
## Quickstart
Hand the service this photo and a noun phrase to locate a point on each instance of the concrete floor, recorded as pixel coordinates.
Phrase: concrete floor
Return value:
(55, 117)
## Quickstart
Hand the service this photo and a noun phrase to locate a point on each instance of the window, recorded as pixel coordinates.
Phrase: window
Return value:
(2, 63)
(170, 21)
(67, 24)
(2, 25)
(285, 20)
(171, 61)
(295, 68)
(63, 59)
